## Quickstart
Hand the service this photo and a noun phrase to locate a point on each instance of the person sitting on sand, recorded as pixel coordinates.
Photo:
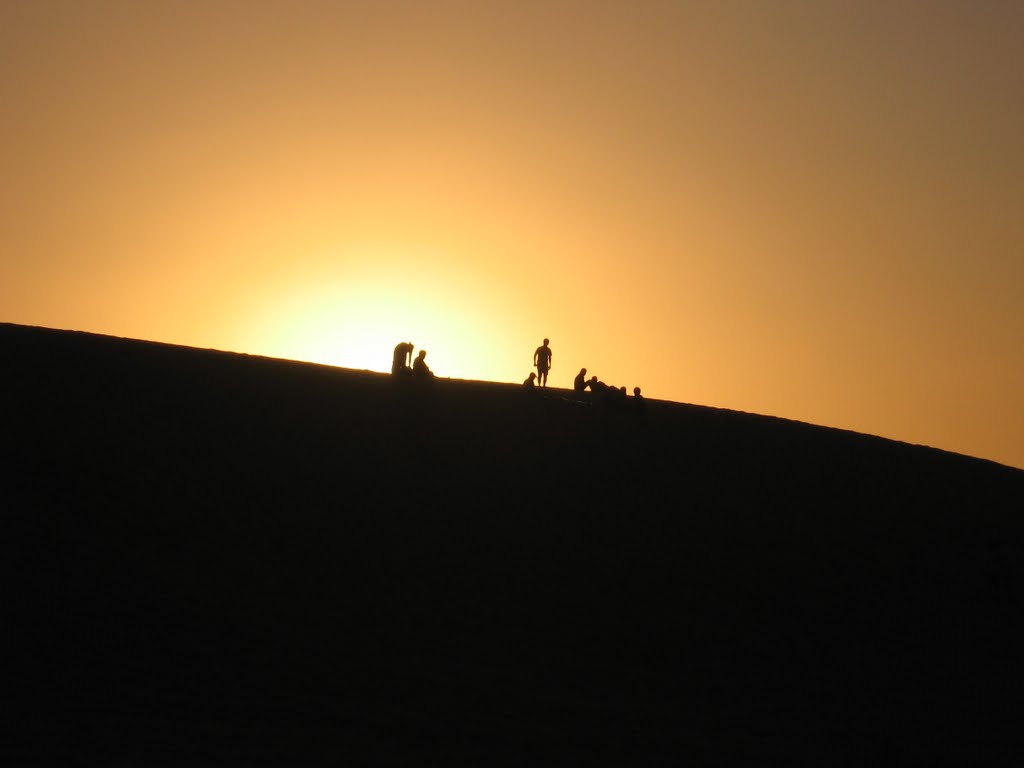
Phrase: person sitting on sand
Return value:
(579, 384)
(615, 396)
(599, 391)
(638, 400)
(530, 384)
(419, 367)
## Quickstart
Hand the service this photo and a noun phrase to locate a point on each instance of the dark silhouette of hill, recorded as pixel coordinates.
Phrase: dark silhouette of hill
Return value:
(218, 559)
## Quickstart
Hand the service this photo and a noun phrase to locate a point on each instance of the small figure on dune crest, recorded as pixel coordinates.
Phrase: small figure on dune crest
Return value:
(639, 404)
(402, 358)
(579, 384)
(606, 395)
(542, 360)
(419, 368)
(529, 385)
(613, 397)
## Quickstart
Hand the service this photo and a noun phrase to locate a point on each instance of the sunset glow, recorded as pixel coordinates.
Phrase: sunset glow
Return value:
(806, 210)
(352, 317)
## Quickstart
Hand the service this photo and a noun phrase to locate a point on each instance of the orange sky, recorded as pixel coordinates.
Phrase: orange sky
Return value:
(807, 209)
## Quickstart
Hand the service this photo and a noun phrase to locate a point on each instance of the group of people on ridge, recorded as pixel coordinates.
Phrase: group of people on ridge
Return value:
(403, 355)
(600, 392)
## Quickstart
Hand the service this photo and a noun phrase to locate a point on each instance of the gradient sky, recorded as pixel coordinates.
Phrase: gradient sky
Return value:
(809, 209)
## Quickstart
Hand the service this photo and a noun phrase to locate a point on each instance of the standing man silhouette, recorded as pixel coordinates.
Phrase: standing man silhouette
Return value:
(542, 359)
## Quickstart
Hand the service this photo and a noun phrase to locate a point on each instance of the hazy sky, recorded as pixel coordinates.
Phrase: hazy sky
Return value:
(809, 209)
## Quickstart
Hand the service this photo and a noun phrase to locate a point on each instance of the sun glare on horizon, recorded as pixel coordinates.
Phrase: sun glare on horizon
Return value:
(803, 209)
(352, 316)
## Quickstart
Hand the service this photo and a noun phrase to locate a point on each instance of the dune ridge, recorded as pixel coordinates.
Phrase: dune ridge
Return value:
(230, 559)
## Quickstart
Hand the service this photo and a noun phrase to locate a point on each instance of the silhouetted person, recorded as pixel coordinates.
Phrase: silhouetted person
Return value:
(542, 359)
(639, 404)
(403, 356)
(618, 396)
(530, 384)
(579, 384)
(598, 391)
(419, 367)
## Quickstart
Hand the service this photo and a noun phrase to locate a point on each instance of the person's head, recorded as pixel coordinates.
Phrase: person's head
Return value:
(636, 391)
(622, 389)
(583, 371)
(423, 353)
(533, 375)
(545, 342)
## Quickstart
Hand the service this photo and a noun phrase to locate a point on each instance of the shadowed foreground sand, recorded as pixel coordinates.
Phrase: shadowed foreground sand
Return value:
(219, 559)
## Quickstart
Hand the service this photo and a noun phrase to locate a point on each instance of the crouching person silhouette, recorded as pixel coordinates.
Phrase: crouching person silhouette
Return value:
(402, 358)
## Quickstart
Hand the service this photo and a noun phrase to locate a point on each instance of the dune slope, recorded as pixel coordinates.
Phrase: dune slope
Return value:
(223, 559)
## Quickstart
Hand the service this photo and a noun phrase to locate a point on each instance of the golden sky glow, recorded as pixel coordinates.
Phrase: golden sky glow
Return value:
(808, 209)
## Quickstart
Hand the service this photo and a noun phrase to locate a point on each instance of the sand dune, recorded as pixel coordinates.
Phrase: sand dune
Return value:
(224, 559)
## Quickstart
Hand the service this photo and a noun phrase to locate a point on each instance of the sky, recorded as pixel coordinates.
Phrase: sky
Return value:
(803, 208)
